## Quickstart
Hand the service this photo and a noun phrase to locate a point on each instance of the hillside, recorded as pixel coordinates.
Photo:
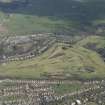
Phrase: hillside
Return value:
(56, 16)
(61, 61)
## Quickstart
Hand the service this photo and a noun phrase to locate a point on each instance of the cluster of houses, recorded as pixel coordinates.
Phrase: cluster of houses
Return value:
(24, 47)
(41, 92)
(16, 48)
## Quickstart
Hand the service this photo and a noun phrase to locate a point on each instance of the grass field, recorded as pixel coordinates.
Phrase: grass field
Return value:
(67, 88)
(75, 61)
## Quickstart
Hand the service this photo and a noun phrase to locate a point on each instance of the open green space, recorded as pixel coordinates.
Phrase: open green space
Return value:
(67, 88)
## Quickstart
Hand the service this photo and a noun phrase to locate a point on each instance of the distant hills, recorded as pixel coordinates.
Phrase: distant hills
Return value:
(60, 16)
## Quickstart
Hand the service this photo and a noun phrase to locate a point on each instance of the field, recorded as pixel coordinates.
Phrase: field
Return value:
(63, 60)
(67, 88)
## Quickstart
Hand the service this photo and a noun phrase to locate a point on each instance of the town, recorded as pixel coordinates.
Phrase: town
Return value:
(41, 92)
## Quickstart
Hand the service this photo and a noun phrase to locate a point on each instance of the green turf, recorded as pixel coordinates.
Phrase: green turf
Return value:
(67, 88)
